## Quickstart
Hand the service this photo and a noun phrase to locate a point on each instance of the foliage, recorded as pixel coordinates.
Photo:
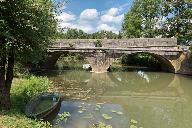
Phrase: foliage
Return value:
(80, 34)
(26, 30)
(73, 34)
(141, 59)
(27, 87)
(131, 27)
(20, 70)
(106, 116)
(31, 29)
(104, 35)
(159, 18)
(71, 61)
(101, 125)
(98, 43)
(178, 25)
(64, 116)
(141, 20)
(15, 117)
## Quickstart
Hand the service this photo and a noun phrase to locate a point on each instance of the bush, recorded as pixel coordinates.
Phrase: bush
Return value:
(98, 43)
(25, 88)
(20, 70)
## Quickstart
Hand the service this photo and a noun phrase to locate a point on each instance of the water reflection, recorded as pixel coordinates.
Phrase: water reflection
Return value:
(154, 99)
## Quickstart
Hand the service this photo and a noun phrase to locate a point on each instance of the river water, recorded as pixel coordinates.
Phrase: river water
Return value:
(131, 99)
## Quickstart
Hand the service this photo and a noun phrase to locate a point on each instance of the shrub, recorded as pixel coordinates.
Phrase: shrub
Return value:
(20, 70)
(27, 87)
(98, 43)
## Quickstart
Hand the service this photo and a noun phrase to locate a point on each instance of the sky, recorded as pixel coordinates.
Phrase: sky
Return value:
(94, 15)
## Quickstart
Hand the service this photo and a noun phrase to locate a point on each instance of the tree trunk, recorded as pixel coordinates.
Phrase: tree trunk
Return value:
(2, 74)
(6, 74)
(9, 76)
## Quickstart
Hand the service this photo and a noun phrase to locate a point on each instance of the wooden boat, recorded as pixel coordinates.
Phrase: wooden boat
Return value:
(42, 105)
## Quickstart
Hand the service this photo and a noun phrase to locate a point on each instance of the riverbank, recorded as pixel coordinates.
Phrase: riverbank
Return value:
(23, 89)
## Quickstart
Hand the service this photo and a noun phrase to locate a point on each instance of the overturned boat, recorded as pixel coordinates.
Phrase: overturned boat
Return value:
(42, 105)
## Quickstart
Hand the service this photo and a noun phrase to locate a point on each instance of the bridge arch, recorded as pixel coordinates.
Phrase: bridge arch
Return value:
(164, 61)
(108, 59)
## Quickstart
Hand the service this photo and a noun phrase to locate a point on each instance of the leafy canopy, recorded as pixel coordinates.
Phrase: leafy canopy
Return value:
(28, 26)
(159, 18)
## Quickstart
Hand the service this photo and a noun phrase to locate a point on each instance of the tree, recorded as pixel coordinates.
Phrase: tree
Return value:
(163, 18)
(152, 14)
(132, 25)
(142, 19)
(178, 23)
(80, 34)
(104, 34)
(26, 29)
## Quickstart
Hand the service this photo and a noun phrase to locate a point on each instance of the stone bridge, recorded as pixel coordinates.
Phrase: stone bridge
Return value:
(101, 58)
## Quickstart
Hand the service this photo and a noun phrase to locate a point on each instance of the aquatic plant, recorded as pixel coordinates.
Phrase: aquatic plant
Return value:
(88, 116)
(101, 125)
(106, 116)
(98, 106)
(64, 116)
(133, 126)
(81, 109)
(134, 121)
(117, 112)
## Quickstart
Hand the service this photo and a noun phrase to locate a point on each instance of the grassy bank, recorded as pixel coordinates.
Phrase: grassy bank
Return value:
(23, 89)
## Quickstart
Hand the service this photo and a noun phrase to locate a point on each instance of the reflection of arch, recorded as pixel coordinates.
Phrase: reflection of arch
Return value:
(166, 65)
(172, 91)
(129, 80)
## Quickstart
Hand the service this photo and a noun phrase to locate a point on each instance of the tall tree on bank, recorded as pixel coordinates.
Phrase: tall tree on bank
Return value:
(26, 28)
(132, 25)
(141, 20)
(163, 18)
(179, 20)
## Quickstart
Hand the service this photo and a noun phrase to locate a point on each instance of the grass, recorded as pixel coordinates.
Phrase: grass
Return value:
(22, 90)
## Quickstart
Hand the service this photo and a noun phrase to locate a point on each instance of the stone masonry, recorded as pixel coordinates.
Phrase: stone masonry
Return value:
(100, 58)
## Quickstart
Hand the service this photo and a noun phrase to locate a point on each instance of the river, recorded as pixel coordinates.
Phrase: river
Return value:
(129, 99)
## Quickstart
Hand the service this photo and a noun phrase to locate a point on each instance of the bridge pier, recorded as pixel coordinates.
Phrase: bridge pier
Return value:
(100, 61)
